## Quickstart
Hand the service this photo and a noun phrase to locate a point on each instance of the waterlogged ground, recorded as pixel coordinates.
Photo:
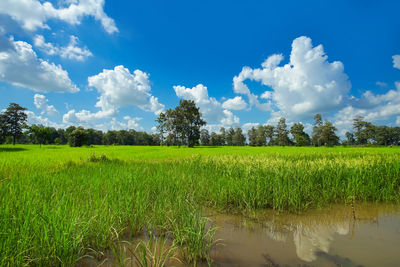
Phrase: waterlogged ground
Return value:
(366, 235)
(328, 237)
(62, 206)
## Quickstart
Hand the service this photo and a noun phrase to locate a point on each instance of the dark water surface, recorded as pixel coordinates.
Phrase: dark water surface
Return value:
(366, 235)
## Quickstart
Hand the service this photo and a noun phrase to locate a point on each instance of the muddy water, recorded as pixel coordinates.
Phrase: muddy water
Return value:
(366, 235)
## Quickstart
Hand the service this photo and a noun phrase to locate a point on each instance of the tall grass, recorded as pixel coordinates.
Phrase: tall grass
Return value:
(59, 203)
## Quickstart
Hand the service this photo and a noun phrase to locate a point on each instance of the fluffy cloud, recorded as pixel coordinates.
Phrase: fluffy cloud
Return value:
(40, 102)
(302, 87)
(33, 14)
(98, 120)
(374, 108)
(236, 103)
(396, 61)
(211, 109)
(71, 51)
(131, 123)
(119, 87)
(229, 119)
(33, 73)
(85, 117)
(39, 120)
(155, 106)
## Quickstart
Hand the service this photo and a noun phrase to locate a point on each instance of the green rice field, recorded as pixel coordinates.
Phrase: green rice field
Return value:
(59, 204)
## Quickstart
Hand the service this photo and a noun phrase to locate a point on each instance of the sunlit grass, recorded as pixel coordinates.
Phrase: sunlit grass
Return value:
(59, 203)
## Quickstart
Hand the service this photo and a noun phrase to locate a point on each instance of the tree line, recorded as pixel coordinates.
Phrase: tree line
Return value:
(14, 128)
(184, 126)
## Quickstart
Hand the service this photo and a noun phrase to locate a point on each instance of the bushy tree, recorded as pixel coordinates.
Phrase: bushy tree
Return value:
(95, 137)
(15, 120)
(204, 137)
(317, 129)
(161, 126)
(183, 122)
(252, 133)
(269, 133)
(3, 128)
(238, 138)
(328, 135)
(229, 136)
(214, 139)
(281, 133)
(363, 131)
(40, 134)
(78, 137)
(222, 136)
(300, 137)
(261, 139)
(350, 140)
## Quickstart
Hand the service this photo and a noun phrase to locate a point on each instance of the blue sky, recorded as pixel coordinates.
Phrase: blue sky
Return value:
(117, 64)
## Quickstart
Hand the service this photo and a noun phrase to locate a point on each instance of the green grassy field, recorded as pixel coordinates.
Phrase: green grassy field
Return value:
(58, 203)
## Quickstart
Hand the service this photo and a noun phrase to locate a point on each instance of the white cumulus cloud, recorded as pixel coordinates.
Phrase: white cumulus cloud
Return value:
(119, 87)
(40, 102)
(39, 120)
(373, 107)
(71, 51)
(210, 108)
(130, 123)
(33, 14)
(236, 103)
(20, 66)
(302, 87)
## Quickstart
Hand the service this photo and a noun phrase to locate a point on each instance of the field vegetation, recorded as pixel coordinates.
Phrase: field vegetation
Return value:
(59, 204)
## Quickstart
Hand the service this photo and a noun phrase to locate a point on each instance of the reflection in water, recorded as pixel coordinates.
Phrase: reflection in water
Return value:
(308, 241)
(329, 237)
(313, 236)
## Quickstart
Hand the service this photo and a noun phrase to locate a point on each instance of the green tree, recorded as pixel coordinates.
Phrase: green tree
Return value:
(57, 141)
(3, 128)
(238, 138)
(222, 136)
(269, 133)
(204, 137)
(300, 137)
(229, 136)
(162, 121)
(252, 133)
(15, 120)
(214, 139)
(95, 137)
(363, 131)
(40, 134)
(78, 137)
(185, 122)
(317, 129)
(350, 140)
(328, 136)
(110, 138)
(281, 133)
(261, 139)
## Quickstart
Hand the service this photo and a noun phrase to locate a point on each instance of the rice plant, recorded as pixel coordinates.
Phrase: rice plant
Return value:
(58, 205)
